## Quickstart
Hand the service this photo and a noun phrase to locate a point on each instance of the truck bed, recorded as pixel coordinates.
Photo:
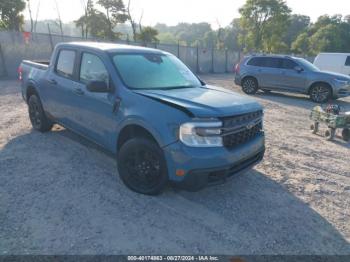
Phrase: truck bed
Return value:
(40, 64)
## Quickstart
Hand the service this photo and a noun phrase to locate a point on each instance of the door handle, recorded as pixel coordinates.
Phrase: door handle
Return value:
(78, 91)
(52, 81)
(116, 104)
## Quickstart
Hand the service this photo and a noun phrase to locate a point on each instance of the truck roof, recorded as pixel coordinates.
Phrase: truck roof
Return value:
(111, 47)
(273, 55)
(341, 54)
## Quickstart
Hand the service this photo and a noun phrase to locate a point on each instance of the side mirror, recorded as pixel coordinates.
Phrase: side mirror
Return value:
(98, 87)
(298, 69)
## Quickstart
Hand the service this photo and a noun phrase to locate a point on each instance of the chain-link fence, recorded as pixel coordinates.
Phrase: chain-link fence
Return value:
(16, 46)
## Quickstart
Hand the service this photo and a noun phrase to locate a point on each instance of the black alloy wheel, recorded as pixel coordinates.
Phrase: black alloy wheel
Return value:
(142, 166)
(37, 116)
(250, 86)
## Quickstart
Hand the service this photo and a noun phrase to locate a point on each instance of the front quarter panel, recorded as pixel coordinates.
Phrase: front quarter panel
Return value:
(314, 77)
(161, 120)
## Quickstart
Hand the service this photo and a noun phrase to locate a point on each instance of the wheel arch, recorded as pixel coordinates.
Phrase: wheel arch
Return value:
(31, 90)
(317, 83)
(250, 76)
(134, 130)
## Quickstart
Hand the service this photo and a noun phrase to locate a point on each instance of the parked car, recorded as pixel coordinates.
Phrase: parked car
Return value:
(334, 62)
(290, 74)
(144, 105)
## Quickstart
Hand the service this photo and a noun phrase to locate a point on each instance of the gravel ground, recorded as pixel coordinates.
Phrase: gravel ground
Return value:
(60, 194)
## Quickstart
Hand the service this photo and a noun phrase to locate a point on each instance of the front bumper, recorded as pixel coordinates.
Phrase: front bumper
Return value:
(207, 166)
(341, 91)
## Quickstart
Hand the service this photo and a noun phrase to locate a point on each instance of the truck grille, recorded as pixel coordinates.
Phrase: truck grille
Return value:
(240, 129)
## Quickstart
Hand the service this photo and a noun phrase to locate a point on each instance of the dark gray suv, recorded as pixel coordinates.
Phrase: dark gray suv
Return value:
(290, 74)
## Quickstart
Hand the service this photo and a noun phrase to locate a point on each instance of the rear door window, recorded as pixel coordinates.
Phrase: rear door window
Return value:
(65, 63)
(347, 62)
(273, 62)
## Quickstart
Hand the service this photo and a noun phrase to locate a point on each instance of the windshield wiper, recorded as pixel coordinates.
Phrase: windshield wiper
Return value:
(174, 87)
(164, 88)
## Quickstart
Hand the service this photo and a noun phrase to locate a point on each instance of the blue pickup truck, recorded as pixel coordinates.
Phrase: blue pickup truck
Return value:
(144, 105)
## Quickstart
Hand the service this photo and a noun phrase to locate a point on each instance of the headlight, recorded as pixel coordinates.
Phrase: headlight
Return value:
(201, 134)
(342, 81)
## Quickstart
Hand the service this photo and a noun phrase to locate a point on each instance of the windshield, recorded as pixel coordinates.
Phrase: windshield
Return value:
(154, 71)
(307, 65)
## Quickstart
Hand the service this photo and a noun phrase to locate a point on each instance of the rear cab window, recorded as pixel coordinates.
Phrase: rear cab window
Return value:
(65, 63)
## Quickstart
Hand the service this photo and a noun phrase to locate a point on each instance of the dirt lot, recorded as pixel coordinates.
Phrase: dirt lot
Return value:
(59, 194)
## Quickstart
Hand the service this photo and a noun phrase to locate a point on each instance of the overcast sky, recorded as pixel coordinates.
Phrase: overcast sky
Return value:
(172, 12)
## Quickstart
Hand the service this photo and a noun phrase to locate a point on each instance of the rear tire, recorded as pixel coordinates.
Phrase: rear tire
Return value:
(37, 115)
(346, 134)
(330, 134)
(250, 85)
(142, 166)
(320, 93)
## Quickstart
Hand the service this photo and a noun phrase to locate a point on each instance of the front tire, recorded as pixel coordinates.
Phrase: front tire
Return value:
(320, 93)
(250, 85)
(314, 127)
(142, 166)
(37, 115)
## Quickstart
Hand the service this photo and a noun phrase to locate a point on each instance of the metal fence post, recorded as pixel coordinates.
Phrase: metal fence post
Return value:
(50, 37)
(226, 60)
(178, 49)
(2, 58)
(197, 65)
(127, 40)
(212, 60)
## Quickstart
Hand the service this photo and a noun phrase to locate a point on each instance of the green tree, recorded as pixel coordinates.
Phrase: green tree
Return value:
(2, 25)
(231, 35)
(115, 14)
(347, 19)
(98, 26)
(209, 39)
(326, 39)
(10, 14)
(82, 24)
(93, 23)
(147, 35)
(262, 21)
(301, 45)
(190, 33)
(167, 38)
(298, 24)
(327, 34)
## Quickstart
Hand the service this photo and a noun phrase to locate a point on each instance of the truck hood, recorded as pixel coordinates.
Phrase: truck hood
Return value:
(204, 102)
